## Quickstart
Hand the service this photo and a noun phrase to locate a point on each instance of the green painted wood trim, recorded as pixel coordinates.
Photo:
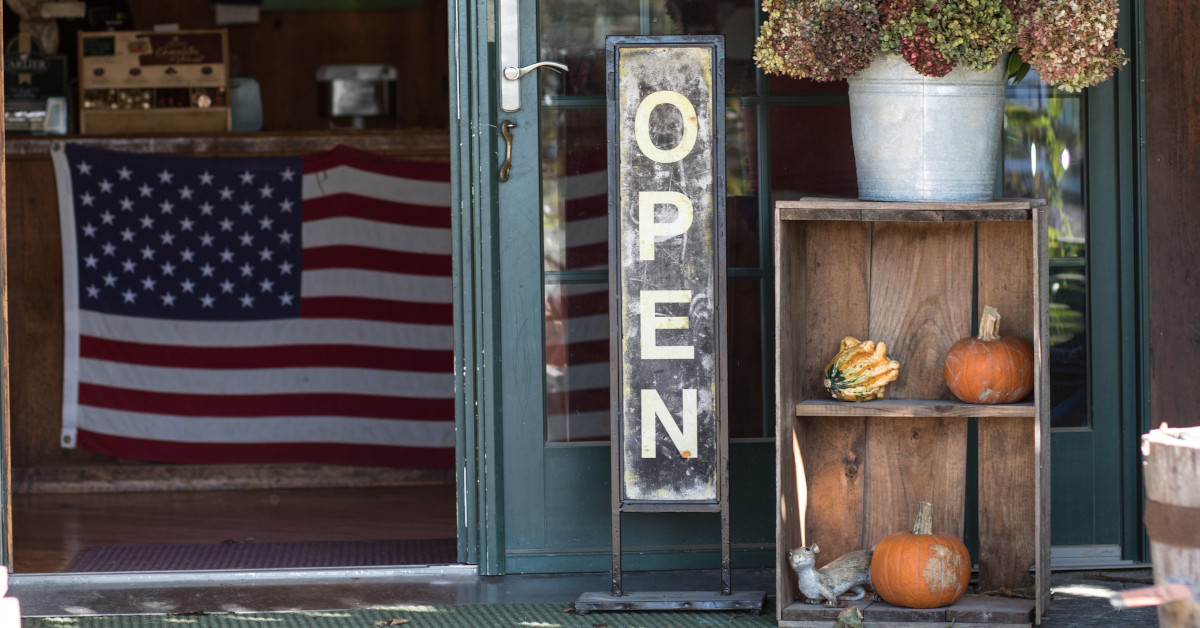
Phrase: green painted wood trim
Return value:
(477, 323)
(1135, 283)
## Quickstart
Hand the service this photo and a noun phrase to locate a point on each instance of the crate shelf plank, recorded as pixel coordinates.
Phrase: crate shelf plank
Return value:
(913, 275)
(913, 408)
(971, 610)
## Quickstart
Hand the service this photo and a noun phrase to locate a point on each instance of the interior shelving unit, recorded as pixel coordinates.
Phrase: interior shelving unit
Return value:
(915, 276)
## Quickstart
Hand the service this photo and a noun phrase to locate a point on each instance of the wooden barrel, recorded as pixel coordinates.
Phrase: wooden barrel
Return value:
(1171, 461)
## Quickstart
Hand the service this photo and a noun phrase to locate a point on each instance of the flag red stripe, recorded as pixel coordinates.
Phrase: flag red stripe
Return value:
(344, 205)
(586, 207)
(586, 400)
(587, 255)
(586, 352)
(371, 162)
(244, 453)
(264, 357)
(325, 257)
(382, 310)
(308, 404)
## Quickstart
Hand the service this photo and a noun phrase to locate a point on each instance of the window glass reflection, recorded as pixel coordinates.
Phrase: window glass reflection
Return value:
(1045, 156)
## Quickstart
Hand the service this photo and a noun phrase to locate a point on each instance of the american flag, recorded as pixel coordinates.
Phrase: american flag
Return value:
(289, 309)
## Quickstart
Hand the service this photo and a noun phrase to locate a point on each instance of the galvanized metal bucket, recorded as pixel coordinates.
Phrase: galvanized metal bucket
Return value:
(918, 138)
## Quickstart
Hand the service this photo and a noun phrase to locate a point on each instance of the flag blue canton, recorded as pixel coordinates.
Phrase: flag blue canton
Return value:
(185, 238)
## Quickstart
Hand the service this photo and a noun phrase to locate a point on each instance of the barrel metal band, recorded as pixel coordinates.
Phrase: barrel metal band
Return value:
(1173, 525)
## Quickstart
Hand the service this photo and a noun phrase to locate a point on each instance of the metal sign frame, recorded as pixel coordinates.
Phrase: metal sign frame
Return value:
(667, 272)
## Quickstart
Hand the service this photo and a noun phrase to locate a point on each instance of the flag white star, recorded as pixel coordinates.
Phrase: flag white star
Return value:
(247, 300)
(287, 175)
(266, 284)
(165, 177)
(107, 217)
(128, 265)
(110, 249)
(206, 301)
(226, 224)
(167, 207)
(285, 298)
(147, 252)
(265, 254)
(84, 168)
(247, 269)
(265, 223)
(110, 280)
(285, 268)
(105, 186)
(207, 270)
(285, 205)
(167, 238)
(91, 260)
(206, 239)
(227, 256)
(246, 238)
(146, 190)
(125, 173)
(89, 230)
(266, 190)
(206, 208)
(226, 193)
(185, 193)
(93, 292)
(285, 236)
(127, 235)
(247, 177)
(186, 224)
(187, 254)
(87, 199)
(129, 296)
(148, 283)
(206, 178)
(187, 285)
(168, 269)
(247, 208)
(168, 300)
(227, 286)
(147, 222)
(126, 204)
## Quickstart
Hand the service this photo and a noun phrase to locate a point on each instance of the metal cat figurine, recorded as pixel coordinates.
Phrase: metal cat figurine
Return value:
(849, 572)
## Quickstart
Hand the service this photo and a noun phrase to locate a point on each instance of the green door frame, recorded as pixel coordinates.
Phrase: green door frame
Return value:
(477, 329)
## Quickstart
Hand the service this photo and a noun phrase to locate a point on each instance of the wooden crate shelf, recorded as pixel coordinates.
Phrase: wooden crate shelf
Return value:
(913, 275)
(912, 408)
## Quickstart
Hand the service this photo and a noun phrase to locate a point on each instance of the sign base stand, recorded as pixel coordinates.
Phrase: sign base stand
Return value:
(750, 601)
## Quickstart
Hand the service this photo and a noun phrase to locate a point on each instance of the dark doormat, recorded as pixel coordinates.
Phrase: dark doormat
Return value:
(252, 555)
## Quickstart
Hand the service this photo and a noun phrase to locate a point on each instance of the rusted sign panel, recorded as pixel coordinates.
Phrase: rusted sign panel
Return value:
(667, 267)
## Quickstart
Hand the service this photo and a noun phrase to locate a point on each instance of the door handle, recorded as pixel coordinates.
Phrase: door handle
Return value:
(509, 44)
(513, 73)
(506, 128)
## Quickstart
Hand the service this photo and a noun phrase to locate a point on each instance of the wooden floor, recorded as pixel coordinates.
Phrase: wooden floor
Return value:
(48, 529)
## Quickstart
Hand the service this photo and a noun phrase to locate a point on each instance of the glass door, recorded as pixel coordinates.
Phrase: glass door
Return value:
(533, 301)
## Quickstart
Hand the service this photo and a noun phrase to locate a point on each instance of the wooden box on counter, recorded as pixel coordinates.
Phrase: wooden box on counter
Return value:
(154, 82)
(913, 275)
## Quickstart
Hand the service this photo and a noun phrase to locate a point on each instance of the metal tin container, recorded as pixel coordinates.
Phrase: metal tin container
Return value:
(919, 138)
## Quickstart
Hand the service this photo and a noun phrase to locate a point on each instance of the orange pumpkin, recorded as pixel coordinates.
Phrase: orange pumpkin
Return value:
(921, 569)
(989, 368)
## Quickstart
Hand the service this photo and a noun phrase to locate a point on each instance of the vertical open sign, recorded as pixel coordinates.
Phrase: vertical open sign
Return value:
(667, 271)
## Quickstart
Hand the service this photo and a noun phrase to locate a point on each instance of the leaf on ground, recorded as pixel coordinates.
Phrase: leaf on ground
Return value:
(391, 622)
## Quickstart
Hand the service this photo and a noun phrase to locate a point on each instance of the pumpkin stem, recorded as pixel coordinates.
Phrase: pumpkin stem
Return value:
(923, 524)
(989, 324)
